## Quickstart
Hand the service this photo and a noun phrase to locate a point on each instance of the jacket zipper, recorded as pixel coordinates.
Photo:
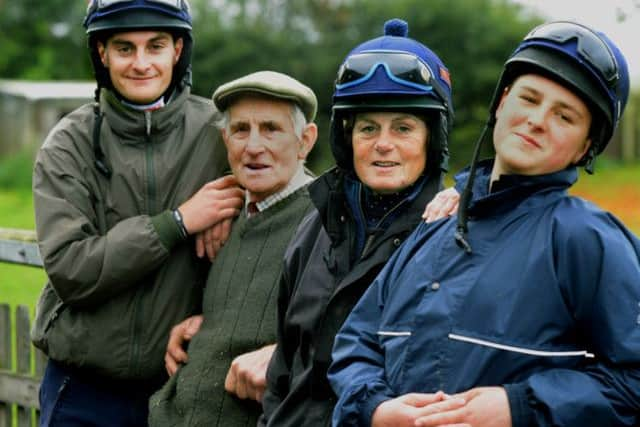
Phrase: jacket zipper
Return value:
(371, 237)
(151, 208)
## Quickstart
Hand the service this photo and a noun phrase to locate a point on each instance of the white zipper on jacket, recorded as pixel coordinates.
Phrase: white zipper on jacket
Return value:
(582, 353)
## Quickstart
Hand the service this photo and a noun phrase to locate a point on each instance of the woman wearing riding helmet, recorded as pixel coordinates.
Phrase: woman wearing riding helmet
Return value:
(524, 309)
(107, 182)
(392, 113)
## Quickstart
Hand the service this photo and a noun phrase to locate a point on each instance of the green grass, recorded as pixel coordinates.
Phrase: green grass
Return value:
(19, 285)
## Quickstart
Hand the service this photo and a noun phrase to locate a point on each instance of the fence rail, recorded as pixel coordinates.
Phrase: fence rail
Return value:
(19, 384)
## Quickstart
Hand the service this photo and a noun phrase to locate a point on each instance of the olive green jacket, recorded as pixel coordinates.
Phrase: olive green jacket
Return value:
(120, 275)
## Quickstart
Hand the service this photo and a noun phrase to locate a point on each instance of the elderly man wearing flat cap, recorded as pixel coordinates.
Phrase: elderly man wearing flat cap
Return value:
(267, 128)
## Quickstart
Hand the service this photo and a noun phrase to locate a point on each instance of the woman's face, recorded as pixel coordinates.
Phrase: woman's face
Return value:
(389, 149)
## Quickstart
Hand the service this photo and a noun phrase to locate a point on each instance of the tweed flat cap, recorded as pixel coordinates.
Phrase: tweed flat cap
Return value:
(269, 83)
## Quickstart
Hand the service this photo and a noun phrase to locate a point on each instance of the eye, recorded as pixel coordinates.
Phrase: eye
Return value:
(527, 98)
(239, 129)
(366, 128)
(567, 118)
(271, 127)
(403, 128)
(124, 50)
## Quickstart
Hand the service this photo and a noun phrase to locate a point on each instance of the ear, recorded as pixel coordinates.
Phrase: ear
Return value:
(503, 97)
(582, 151)
(102, 52)
(178, 45)
(308, 140)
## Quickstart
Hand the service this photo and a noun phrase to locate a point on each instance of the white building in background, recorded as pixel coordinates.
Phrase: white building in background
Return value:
(29, 109)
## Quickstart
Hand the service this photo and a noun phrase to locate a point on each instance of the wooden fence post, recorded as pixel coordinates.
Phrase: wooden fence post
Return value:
(23, 359)
(6, 418)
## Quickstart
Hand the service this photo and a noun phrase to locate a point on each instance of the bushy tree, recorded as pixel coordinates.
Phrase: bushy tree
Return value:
(305, 38)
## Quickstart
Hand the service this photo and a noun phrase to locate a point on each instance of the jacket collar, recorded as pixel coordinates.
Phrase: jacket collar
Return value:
(328, 196)
(510, 190)
(130, 124)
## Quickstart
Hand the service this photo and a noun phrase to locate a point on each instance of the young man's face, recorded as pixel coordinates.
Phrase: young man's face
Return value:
(140, 63)
(262, 147)
(541, 127)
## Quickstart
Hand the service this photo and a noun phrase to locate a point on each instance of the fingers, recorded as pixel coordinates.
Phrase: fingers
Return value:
(224, 182)
(450, 411)
(444, 204)
(247, 375)
(200, 249)
(422, 399)
(179, 335)
(170, 364)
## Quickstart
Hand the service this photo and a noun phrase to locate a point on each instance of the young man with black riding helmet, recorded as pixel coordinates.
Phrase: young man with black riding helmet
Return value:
(392, 113)
(114, 187)
(524, 309)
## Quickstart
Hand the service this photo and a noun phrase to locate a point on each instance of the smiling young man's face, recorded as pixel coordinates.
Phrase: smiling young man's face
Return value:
(140, 63)
(541, 127)
(262, 146)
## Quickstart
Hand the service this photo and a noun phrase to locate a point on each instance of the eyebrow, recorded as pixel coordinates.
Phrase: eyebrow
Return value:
(366, 117)
(159, 37)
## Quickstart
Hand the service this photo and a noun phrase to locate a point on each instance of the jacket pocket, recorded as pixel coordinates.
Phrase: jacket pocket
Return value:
(394, 343)
(48, 309)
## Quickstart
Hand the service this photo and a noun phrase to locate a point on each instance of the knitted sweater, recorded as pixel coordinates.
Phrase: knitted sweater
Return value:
(239, 310)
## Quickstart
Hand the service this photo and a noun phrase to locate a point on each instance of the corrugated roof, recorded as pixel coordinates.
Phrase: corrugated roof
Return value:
(36, 90)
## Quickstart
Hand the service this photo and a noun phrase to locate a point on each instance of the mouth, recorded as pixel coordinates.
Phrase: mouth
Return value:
(385, 164)
(256, 166)
(529, 140)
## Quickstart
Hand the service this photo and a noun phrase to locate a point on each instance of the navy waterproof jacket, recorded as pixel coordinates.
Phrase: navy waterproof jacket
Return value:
(547, 305)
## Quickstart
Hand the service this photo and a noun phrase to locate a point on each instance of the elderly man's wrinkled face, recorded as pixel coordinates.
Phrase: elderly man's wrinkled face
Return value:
(262, 146)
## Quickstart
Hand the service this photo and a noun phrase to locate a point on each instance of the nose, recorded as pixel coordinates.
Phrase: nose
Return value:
(384, 142)
(141, 62)
(536, 117)
(255, 144)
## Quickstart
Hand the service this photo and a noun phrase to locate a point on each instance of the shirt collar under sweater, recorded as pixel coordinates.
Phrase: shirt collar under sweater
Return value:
(299, 179)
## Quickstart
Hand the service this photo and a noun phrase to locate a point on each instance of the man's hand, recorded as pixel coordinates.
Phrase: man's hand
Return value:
(403, 411)
(485, 407)
(444, 204)
(247, 376)
(216, 201)
(180, 334)
(211, 240)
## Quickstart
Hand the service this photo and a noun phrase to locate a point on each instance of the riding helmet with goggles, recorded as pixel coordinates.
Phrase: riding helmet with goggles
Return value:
(393, 72)
(577, 57)
(106, 17)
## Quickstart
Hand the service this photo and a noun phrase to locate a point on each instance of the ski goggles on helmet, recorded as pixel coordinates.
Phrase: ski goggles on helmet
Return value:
(591, 48)
(98, 8)
(402, 68)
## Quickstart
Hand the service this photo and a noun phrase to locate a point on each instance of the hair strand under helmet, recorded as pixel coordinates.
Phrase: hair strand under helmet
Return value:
(577, 57)
(393, 72)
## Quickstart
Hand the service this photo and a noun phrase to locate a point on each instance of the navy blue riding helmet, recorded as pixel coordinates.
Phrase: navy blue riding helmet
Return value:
(392, 72)
(579, 58)
(105, 17)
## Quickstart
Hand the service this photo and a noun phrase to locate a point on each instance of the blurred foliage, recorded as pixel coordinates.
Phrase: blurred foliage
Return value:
(305, 38)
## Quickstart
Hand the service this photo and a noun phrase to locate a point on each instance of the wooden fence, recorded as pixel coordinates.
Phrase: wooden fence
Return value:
(19, 384)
